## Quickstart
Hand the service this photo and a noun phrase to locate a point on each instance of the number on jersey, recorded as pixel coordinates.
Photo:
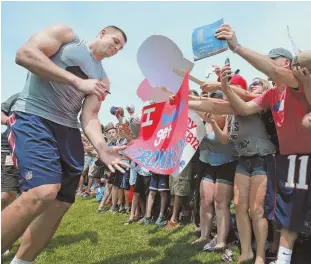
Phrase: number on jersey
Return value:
(302, 177)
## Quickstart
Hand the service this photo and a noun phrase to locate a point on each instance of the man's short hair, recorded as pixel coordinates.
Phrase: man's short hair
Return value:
(118, 29)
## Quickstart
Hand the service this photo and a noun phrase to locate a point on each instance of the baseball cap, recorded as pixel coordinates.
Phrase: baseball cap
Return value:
(219, 93)
(238, 80)
(280, 52)
(303, 59)
(109, 126)
(130, 107)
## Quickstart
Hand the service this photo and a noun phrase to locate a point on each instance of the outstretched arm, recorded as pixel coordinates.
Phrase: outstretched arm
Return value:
(210, 105)
(92, 129)
(243, 94)
(241, 107)
(261, 62)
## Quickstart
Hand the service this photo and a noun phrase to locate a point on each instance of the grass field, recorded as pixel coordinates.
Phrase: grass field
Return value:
(87, 237)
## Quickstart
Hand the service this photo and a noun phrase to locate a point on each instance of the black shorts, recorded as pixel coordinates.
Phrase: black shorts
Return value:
(288, 199)
(218, 174)
(142, 184)
(159, 183)
(111, 178)
(122, 180)
(9, 174)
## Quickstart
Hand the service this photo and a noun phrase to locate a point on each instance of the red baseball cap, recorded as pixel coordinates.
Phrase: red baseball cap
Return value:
(238, 80)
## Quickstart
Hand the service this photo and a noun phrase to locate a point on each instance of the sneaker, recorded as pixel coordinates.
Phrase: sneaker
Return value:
(161, 221)
(170, 224)
(123, 211)
(128, 222)
(228, 256)
(270, 256)
(128, 210)
(86, 195)
(210, 245)
(79, 194)
(141, 220)
(121, 208)
(116, 210)
(147, 221)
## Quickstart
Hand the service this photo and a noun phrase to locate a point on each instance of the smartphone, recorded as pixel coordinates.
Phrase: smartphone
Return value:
(227, 62)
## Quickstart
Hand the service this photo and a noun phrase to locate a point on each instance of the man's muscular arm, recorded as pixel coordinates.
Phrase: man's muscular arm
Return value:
(35, 55)
(92, 129)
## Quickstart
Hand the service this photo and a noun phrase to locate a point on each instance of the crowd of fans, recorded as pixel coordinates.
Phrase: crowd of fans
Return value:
(225, 183)
(229, 189)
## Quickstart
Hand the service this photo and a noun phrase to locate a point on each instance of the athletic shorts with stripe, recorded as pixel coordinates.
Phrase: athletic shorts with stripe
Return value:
(46, 153)
(288, 198)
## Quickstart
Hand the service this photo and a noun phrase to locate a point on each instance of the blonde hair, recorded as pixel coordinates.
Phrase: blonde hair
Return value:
(265, 84)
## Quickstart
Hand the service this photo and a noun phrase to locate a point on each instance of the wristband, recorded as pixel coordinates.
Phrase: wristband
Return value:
(237, 48)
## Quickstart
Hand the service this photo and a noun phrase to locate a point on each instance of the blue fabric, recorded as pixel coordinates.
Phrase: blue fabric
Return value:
(47, 153)
(99, 193)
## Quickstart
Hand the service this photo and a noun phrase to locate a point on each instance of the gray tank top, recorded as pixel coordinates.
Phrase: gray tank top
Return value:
(58, 102)
(249, 136)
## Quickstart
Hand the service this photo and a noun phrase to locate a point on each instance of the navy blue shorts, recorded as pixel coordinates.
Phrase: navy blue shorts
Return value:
(159, 183)
(288, 199)
(46, 153)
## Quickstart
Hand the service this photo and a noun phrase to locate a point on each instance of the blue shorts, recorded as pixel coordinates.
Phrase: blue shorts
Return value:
(251, 166)
(159, 183)
(46, 153)
(288, 198)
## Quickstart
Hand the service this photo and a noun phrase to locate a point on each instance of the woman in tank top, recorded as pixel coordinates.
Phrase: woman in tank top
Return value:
(251, 144)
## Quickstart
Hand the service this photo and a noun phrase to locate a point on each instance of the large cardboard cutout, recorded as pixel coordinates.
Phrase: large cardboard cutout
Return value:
(157, 57)
(194, 135)
(147, 93)
(162, 134)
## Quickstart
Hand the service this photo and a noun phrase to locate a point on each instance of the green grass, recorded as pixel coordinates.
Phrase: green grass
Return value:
(87, 237)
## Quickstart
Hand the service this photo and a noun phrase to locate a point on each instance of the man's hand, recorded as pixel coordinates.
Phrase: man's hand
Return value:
(92, 86)
(303, 76)
(225, 75)
(111, 157)
(226, 32)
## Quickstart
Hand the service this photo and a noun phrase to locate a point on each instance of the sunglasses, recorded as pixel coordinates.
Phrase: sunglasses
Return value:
(256, 83)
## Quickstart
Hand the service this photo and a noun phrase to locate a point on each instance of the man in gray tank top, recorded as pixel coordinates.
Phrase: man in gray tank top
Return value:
(65, 76)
